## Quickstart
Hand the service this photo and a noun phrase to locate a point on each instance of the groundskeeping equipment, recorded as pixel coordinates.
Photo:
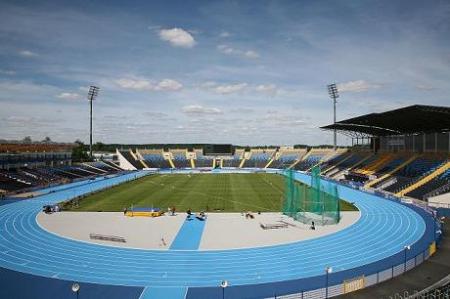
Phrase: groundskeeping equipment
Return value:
(318, 203)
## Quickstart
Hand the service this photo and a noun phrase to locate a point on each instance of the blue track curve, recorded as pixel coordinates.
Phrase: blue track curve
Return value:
(383, 230)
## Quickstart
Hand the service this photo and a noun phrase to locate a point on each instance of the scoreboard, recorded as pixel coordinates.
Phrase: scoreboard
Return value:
(217, 149)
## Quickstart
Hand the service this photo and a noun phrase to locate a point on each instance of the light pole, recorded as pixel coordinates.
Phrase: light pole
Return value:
(223, 285)
(333, 92)
(407, 248)
(328, 270)
(76, 288)
(93, 92)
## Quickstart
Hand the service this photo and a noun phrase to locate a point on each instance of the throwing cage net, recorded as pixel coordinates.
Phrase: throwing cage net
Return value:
(307, 204)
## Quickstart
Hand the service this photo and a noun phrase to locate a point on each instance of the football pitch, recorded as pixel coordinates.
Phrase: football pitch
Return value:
(208, 192)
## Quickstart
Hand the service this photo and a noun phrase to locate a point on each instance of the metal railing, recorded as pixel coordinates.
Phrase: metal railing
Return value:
(439, 290)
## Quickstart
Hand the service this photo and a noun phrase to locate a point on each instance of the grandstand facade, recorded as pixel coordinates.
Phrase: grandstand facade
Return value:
(412, 164)
(392, 154)
(28, 167)
(418, 175)
(407, 151)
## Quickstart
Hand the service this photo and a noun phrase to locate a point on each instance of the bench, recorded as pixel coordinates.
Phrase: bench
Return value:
(107, 238)
(273, 225)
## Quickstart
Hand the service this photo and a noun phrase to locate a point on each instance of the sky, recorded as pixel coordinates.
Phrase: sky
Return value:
(240, 72)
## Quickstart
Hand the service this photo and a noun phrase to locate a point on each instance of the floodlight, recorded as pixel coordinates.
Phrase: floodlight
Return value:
(92, 94)
(334, 94)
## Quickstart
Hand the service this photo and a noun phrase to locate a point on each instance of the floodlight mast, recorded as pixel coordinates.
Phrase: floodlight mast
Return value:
(333, 92)
(93, 92)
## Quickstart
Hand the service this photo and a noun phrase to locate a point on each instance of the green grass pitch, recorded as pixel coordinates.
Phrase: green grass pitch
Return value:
(209, 192)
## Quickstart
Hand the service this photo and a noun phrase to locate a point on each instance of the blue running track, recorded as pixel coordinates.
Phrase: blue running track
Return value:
(163, 292)
(381, 233)
(189, 235)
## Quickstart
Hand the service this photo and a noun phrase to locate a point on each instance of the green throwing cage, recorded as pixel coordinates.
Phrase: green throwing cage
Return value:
(318, 202)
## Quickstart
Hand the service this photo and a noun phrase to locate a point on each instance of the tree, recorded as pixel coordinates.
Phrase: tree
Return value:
(27, 140)
(47, 140)
(99, 146)
(79, 152)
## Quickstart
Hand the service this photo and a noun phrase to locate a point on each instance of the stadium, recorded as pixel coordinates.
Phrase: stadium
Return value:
(394, 194)
(224, 149)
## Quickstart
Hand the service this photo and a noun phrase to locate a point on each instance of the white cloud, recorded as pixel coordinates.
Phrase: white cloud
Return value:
(168, 84)
(356, 86)
(177, 37)
(285, 119)
(69, 96)
(208, 84)
(230, 88)
(200, 110)
(135, 84)
(224, 34)
(27, 53)
(270, 89)
(227, 50)
(242, 110)
(424, 87)
(298, 122)
(25, 91)
(155, 115)
(84, 88)
(251, 54)
(143, 84)
(7, 72)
